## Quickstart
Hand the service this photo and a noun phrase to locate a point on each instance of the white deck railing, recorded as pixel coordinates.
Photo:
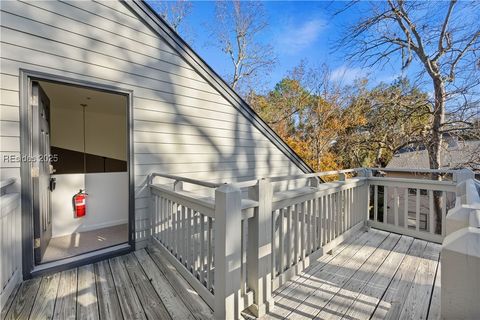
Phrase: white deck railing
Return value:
(406, 206)
(10, 241)
(312, 220)
(184, 224)
(238, 246)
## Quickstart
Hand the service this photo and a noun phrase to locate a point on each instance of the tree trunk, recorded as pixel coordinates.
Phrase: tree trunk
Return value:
(378, 156)
(434, 146)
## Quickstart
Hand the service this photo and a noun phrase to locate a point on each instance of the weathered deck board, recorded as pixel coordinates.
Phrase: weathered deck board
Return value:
(151, 302)
(373, 277)
(45, 301)
(341, 301)
(108, 304)
(365, 303)
(418, 301)
(22, 306)
(394, 298)
(9, 302)
(129, 301)
(87, 302)
(175, 306)
(289, 299)
(434, 312)
(65, 306)
(185, 292)
(115, 289)
(334, 276)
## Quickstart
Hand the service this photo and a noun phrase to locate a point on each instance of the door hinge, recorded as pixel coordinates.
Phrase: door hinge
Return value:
(35, 172)
(36, 243)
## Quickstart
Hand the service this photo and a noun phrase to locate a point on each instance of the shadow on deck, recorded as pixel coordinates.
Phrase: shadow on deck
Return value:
(374, 275)
(140, 285)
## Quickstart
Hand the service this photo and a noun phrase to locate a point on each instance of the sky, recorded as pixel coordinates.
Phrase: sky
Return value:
(297, 31)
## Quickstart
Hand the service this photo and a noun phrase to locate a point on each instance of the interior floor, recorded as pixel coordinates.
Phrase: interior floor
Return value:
(83, 242)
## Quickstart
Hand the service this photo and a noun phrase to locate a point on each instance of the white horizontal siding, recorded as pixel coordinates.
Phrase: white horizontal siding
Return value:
(9, 113)
(182, 125)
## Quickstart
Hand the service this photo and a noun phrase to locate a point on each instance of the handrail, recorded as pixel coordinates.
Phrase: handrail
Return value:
(412, 170)
(313, 175)
(415, 183)
(290, 197)
(151, 176)
(5, 183)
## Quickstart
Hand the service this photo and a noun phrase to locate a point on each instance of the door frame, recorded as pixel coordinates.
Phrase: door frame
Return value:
(28, 262)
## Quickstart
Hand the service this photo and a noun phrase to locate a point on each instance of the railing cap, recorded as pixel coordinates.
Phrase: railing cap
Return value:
(228, 188)
(213, 185)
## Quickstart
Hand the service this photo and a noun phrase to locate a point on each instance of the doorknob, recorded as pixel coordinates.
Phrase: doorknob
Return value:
(53, 183)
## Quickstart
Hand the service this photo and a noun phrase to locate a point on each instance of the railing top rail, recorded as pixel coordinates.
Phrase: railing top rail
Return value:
(183, 179)
(411, 170)
(5, 183)
(413, 181)
(245, 184)
(312, 175)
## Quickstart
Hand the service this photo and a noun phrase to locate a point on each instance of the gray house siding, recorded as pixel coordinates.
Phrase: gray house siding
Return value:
(182, 123)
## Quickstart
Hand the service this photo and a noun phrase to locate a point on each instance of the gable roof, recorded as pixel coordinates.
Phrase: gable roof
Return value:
(163, 30)
(460, 155)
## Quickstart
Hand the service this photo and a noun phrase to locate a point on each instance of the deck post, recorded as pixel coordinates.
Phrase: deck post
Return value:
(458, 217)
(228, 219)
(460, 281)
(460, 257)
(259, 254)
(366, 173)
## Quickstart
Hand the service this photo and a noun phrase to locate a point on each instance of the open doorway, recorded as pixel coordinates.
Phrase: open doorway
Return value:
(81, 187)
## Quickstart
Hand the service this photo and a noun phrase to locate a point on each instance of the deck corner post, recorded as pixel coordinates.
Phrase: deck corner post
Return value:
(227, 274)
(460, 256)
(259, 254)
(460, 259)
(366, 173)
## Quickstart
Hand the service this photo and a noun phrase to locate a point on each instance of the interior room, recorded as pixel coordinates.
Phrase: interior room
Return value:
(88, 147)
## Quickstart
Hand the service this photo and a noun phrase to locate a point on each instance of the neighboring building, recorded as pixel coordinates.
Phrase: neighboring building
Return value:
(113, 94)
(457, 154)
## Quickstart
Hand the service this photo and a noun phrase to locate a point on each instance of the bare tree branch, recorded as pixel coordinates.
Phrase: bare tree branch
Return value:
(235, 30)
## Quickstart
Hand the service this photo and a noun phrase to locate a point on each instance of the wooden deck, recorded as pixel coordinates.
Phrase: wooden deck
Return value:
(140, 285)
(376, 275)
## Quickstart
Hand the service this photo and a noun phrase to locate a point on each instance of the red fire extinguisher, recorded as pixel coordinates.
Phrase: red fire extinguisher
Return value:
(79, 204)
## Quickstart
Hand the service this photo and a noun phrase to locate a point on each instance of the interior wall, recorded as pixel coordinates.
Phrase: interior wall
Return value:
(104, 132)
(107, 201)
(105, 120)
(106, 136)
